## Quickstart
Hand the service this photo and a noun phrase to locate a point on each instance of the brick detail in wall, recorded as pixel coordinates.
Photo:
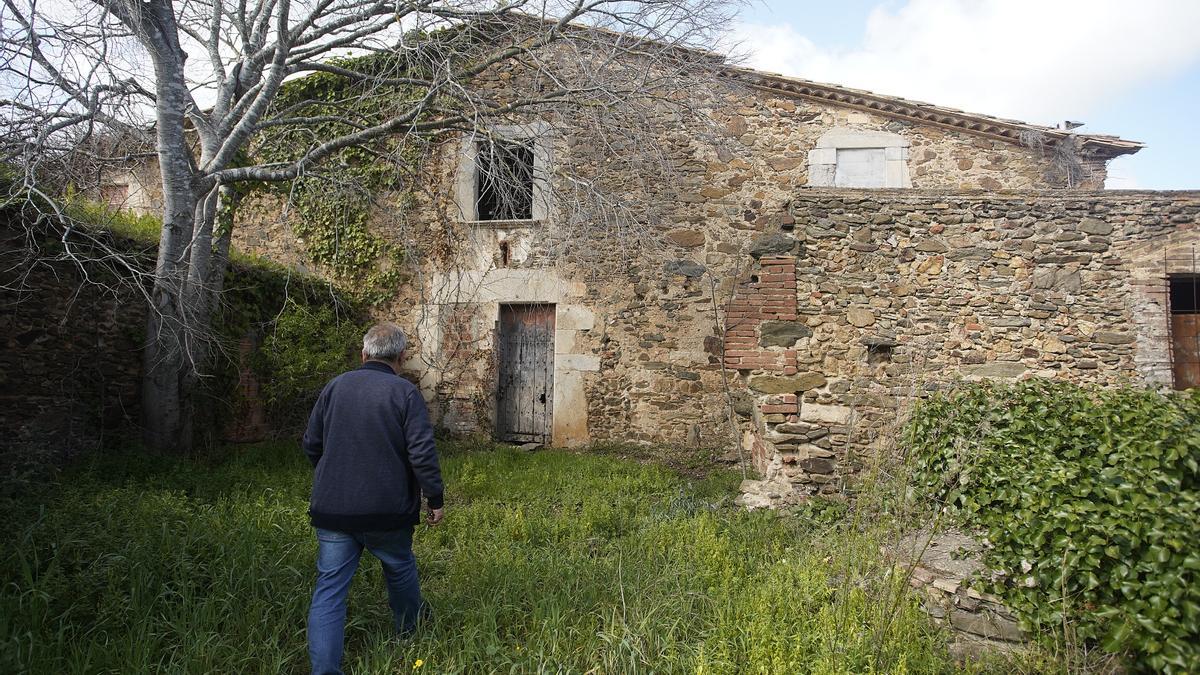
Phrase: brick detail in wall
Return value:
(769, 295)
(457, 339)
(781, 404)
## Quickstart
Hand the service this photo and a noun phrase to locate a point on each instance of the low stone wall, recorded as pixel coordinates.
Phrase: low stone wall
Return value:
(72, 334)
(942, 567)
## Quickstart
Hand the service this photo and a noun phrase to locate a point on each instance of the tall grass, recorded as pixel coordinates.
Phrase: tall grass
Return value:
(547, 562)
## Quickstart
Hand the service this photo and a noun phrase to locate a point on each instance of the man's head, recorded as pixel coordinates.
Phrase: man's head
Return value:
(385, 342)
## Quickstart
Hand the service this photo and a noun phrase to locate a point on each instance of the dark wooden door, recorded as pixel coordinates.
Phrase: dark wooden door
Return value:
(1185, 329)
(525, 390)
(1185, 349)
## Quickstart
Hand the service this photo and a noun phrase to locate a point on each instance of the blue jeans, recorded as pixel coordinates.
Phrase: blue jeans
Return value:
(337, 560)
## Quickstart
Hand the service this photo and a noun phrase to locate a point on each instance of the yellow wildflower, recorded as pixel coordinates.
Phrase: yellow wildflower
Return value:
(418, 663)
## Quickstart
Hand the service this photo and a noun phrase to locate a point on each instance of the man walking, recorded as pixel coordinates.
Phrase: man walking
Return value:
(371, 444)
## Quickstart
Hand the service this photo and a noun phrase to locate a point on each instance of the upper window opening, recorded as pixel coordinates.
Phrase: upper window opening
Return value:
(504, 180)
(860, 167)
(858, 158)
(1184, 292)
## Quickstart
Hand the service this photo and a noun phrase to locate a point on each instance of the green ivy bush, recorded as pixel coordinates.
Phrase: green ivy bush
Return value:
(1089, 501)
(308, 345)
(331, 209)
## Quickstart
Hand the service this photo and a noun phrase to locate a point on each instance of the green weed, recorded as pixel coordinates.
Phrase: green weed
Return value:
(548, 562)
(1089, 498)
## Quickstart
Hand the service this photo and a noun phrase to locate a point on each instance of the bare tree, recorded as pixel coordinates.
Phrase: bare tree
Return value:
(199, 81)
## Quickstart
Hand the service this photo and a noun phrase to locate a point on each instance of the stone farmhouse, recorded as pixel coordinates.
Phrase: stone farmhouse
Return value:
(820, 257)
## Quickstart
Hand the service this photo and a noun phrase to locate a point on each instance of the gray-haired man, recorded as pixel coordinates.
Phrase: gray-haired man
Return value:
(371, 443)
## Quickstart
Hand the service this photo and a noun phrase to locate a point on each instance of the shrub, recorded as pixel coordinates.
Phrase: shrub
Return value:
(308, 346)
(1088, 499)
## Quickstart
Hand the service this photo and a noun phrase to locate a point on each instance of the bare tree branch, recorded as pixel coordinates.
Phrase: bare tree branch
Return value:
(86, 89)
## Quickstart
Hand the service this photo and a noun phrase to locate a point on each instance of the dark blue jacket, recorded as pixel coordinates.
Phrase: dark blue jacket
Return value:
(371, 443)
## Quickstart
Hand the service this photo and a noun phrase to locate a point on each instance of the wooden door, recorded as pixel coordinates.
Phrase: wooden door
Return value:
(1185, 349)
(1185, 330)
(525, 387)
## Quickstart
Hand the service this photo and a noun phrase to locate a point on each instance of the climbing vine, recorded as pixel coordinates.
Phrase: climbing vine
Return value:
(309, 343)
(330, 209)
(1089, 500)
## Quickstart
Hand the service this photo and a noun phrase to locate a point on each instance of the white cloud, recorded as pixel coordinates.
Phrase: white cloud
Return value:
(1037, 60)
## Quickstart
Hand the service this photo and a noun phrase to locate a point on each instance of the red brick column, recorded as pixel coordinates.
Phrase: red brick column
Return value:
(769, 295)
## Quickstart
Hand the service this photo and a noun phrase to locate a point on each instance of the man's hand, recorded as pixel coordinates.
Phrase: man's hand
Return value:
(435, 516)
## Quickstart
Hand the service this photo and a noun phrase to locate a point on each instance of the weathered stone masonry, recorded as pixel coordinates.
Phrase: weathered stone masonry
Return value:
(899, 293)
(838, 307)
(823, 309)
(70, 364)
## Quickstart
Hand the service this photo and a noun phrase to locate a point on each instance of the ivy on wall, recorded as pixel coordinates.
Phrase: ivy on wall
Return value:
(331, 208)
(1090, 501)
(309, 344)
(307, 333)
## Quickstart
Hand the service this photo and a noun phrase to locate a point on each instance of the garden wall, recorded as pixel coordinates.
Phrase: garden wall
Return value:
(72, 334)
(71, 363)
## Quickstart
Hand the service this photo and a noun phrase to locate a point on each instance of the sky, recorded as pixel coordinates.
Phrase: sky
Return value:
(1125, 67)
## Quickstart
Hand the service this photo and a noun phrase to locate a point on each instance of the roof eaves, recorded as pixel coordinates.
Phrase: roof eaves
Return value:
(1013, 131)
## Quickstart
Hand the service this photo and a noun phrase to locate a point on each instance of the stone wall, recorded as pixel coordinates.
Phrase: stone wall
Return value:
(942, 567)
(71, 362)
(774, 136)
(824, 324)
(72, 332)
(729, 176)
(893, 292)
(643, 300)
(899, 293)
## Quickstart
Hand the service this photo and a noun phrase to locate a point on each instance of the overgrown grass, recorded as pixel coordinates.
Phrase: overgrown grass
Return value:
(547, 562)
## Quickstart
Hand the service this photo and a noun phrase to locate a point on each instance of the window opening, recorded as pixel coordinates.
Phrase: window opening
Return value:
(504, 181)
(877, 354)
(1184, 291)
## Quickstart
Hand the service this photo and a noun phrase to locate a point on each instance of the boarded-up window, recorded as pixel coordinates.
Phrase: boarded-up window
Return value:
(1185, 330)
(860, 167)
(504, 181)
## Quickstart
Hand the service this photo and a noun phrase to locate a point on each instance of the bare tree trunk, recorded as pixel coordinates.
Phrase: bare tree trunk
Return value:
(166, 408)
(206, 272)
